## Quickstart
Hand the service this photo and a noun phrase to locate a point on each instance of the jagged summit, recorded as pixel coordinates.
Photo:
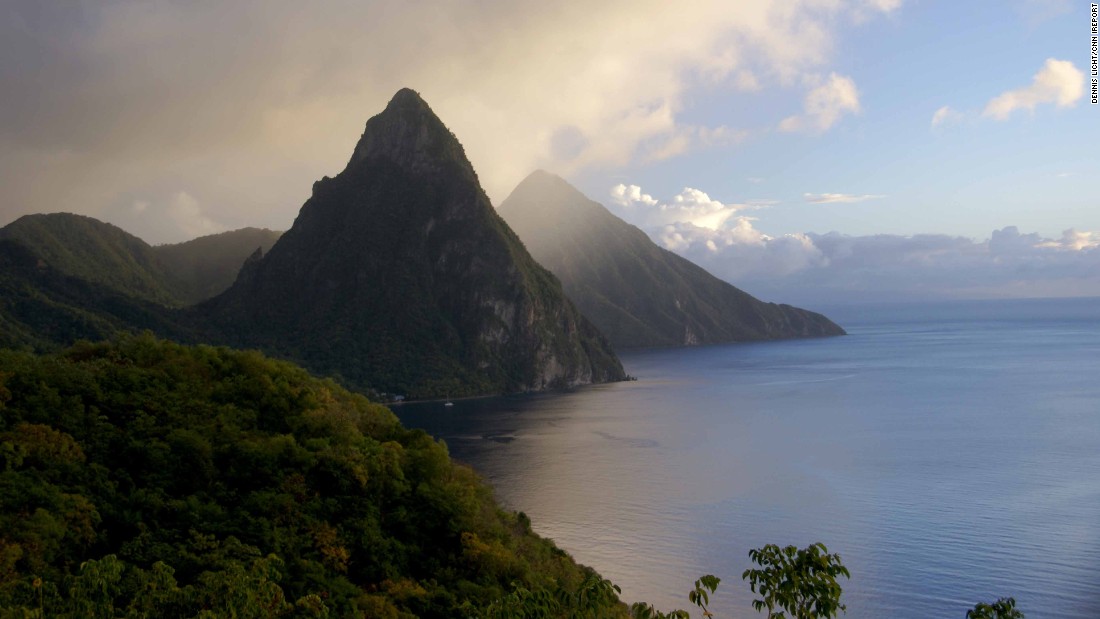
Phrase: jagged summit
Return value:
(399, 275)
(406, 97)
(408, 133)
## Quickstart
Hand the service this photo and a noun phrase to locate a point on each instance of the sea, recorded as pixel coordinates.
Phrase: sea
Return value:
(948, 452)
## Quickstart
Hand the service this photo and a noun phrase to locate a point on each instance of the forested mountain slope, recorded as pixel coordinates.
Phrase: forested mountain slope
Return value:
(637, 293)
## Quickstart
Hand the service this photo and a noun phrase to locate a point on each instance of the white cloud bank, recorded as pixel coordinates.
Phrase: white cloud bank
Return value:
(810, 268)
(690, 206)
(1058, 82)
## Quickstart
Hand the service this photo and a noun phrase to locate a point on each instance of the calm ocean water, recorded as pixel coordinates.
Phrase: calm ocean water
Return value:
(950, 453)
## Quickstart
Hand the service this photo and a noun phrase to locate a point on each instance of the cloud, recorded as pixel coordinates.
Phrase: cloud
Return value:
(170, 217)
(691, 206)
(630, 195)
(866, 9)
(688, 138)
(824, 105)
(249, 102)
(1072, 240)
(746, 81)
(185, 212)
(886, 6)
(738, 250)
(945, 115)
(836, 268)
(1058, 82)
(828, 198)
(810, 268)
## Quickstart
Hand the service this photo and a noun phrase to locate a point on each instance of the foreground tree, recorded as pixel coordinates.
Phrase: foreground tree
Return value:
(1003, 608)
(699, 596)
(800, 582)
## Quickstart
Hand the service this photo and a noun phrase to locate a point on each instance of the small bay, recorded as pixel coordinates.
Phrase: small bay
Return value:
(949, 452)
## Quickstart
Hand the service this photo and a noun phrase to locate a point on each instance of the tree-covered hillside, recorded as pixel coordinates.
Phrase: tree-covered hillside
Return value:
(147, 478)
(172, 275)
(42, 308)
(96, 252)
(208, 265)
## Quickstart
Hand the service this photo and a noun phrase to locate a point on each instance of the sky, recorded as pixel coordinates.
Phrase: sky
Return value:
(807, 151)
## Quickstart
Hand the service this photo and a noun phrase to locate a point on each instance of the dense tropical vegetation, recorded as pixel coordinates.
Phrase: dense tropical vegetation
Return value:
(147, 478)
(172, 275)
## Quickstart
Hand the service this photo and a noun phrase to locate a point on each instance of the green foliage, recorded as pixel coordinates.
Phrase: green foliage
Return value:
(699, 596)
(522, 603)
(208, 265)
(641, 610)
(1003, 608)
(801, 582)
(96, 252)
(102, 254)
(146, 478)
(43, 308)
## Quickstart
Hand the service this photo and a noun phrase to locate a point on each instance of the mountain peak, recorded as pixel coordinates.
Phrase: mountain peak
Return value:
(546, 195)
(543, 178)
(636, 292)
(400, 276)
(408, 133)
(406, 98)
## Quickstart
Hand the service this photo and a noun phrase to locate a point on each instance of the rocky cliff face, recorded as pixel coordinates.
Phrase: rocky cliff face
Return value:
(398, 275)
(637, 293)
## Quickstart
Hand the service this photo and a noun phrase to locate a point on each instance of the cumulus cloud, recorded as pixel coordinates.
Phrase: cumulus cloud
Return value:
(824, 105)
(631, 195)
(738, 251)
(945, 115)
(811, 268)
(1072, 240)
(828, 198)
(691, 206)
(249, 102)
(1058, 82)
